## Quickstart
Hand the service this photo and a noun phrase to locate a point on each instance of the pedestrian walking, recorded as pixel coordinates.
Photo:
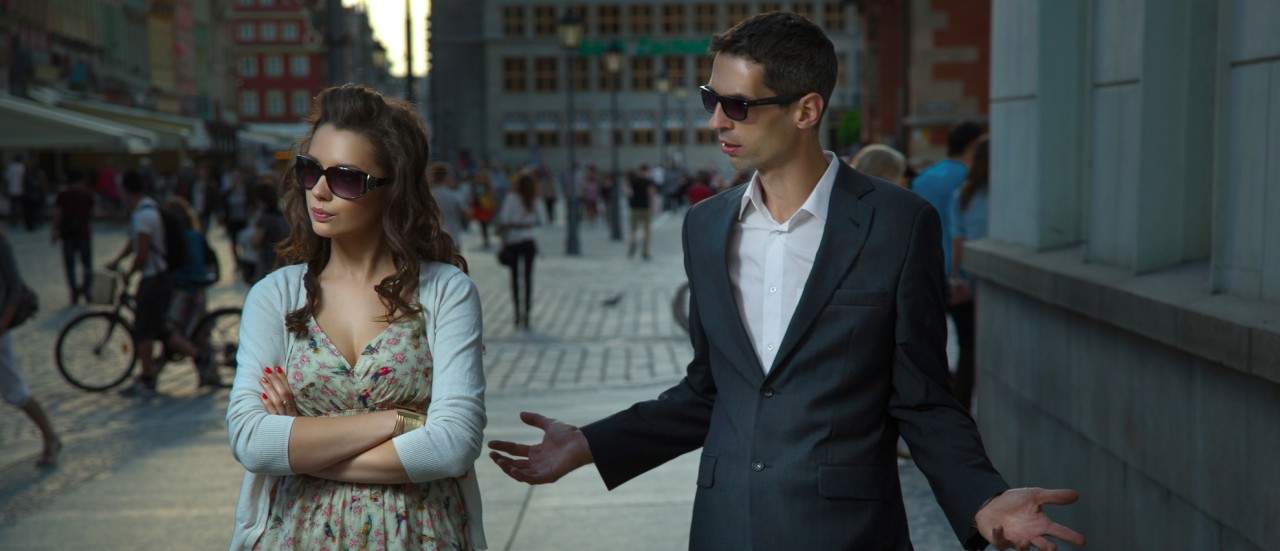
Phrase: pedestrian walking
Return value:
(73, 226)
(641, 191)
(520, 214)
(153, 251)
(13, 293)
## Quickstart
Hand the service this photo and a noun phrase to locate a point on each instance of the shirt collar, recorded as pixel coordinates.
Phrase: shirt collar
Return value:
(817, 203)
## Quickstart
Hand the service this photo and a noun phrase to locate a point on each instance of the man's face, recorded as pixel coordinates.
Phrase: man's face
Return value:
(766, 136)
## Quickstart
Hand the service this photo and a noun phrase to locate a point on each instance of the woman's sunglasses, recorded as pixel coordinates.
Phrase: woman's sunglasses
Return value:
(347, 183)
(736, 108)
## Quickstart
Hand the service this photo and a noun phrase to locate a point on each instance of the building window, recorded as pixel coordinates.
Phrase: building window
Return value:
(580, 10)
(705, 19)
(513, 21)
(268, 32)
(300, 65)
(674, 136)
(673, 19)
(835, 16)
(548, 138)
(706, 136)
(545, 78)
(515, 138)
(268, 3)
(704, 68)
(249, 103)
(289, 32)
(582, 138)
(301, 102)
(544, 20)
(608, 20)
(642, 136)
(273, 66)
(674, 67)
(515, 76)
(246, 2)
(642, 74)
(641, 19)
(608, 82)
(249, 66)
(247, 32)
(619, 137)
(581, 74)
(803, 9)
(737, 12)
(275, 103)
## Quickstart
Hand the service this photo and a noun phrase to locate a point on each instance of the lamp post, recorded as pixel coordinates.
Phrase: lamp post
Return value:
(613, 65)
(682, 94)
(570, 36)
(664, 87)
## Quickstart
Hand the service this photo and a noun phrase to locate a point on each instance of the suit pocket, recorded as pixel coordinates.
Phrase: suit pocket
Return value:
(707, 471)
(851, 482)
(859, 297)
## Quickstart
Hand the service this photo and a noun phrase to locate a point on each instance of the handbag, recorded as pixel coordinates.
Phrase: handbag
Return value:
(507, 255)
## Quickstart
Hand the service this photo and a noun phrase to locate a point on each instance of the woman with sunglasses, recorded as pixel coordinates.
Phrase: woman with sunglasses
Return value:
(342, 353)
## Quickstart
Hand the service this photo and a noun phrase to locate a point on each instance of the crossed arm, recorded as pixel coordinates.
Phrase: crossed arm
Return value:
(269, 437)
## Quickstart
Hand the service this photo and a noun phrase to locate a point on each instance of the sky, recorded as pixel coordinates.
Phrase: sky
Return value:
(387, 19)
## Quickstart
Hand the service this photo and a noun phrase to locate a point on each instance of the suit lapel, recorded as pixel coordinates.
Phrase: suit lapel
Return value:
(727, 327)
(845, 232)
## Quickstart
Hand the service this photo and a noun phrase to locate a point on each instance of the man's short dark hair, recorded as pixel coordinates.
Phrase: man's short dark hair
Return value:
(962, 136)
(797, 56)
(132, 183)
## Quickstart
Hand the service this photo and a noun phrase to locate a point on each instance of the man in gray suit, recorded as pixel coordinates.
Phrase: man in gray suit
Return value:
(817, 323)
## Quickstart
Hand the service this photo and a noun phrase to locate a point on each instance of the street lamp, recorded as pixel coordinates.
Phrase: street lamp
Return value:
(613, 65)
(682, 94)
(664, 87)
(570, 36)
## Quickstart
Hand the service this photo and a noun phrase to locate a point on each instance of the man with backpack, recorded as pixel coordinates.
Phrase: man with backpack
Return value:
(154, 250)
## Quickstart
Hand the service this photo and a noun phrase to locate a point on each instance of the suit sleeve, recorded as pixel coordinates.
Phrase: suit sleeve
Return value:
(648, 434)
(943, 438)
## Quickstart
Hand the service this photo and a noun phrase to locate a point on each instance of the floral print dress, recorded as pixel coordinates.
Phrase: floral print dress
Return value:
(394, 370)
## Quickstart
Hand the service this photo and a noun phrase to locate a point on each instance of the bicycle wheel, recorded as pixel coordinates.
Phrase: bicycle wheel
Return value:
(220, 331)
(95, 351)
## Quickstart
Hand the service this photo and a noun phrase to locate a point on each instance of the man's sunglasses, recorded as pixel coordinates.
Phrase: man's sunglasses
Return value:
(347, 183)
(736, 108)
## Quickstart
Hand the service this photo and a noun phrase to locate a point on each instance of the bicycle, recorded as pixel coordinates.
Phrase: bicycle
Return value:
(95, 350)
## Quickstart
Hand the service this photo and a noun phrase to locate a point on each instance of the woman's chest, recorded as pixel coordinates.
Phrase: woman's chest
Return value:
(393, 369)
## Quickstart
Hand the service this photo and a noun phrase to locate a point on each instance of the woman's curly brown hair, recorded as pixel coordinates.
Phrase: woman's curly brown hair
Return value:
(411, 223)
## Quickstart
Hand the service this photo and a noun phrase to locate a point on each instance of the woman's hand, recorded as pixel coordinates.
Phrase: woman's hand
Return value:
(277, 398)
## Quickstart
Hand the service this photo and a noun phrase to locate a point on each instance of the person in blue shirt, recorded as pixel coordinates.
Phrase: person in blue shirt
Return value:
(938, 183)
(968, 223)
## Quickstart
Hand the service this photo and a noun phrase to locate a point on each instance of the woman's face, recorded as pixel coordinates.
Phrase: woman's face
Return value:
(333, 216)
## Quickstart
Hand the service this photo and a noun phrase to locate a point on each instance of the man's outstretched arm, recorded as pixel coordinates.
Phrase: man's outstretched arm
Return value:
(630, 442)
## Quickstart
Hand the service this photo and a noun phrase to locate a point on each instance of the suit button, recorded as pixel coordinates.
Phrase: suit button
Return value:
(757, 466)
(768, 393)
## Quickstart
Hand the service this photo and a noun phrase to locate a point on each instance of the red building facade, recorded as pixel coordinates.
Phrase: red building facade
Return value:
(278, 60)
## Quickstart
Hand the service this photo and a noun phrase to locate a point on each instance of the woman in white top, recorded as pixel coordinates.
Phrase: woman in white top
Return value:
(521, 212)
(341, 356)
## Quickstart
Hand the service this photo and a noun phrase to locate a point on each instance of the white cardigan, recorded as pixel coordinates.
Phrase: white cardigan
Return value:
(446, 447)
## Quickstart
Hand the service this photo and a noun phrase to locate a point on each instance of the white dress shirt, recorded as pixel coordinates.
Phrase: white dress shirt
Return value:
(769, 261)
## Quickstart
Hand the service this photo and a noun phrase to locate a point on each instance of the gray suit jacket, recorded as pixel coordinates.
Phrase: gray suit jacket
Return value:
(804, 457)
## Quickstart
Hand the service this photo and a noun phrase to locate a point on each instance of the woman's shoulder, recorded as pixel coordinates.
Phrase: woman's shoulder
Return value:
(441, 275)
(279, 284)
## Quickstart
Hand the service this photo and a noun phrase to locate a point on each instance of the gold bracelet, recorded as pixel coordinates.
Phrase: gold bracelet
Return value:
(407, 421)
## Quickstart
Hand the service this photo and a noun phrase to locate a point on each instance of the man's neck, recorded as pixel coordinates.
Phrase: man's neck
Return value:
(787, 186)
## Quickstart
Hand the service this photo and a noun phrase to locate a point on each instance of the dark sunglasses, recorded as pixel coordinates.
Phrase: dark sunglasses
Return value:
(736, 108)
(347, 183)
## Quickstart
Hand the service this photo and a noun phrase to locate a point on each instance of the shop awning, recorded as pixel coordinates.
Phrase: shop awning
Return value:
(25, 124)
(174, 132)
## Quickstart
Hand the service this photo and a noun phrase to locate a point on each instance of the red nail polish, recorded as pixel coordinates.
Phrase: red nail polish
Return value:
(279, 369)
(266, 370)
(264, 395)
